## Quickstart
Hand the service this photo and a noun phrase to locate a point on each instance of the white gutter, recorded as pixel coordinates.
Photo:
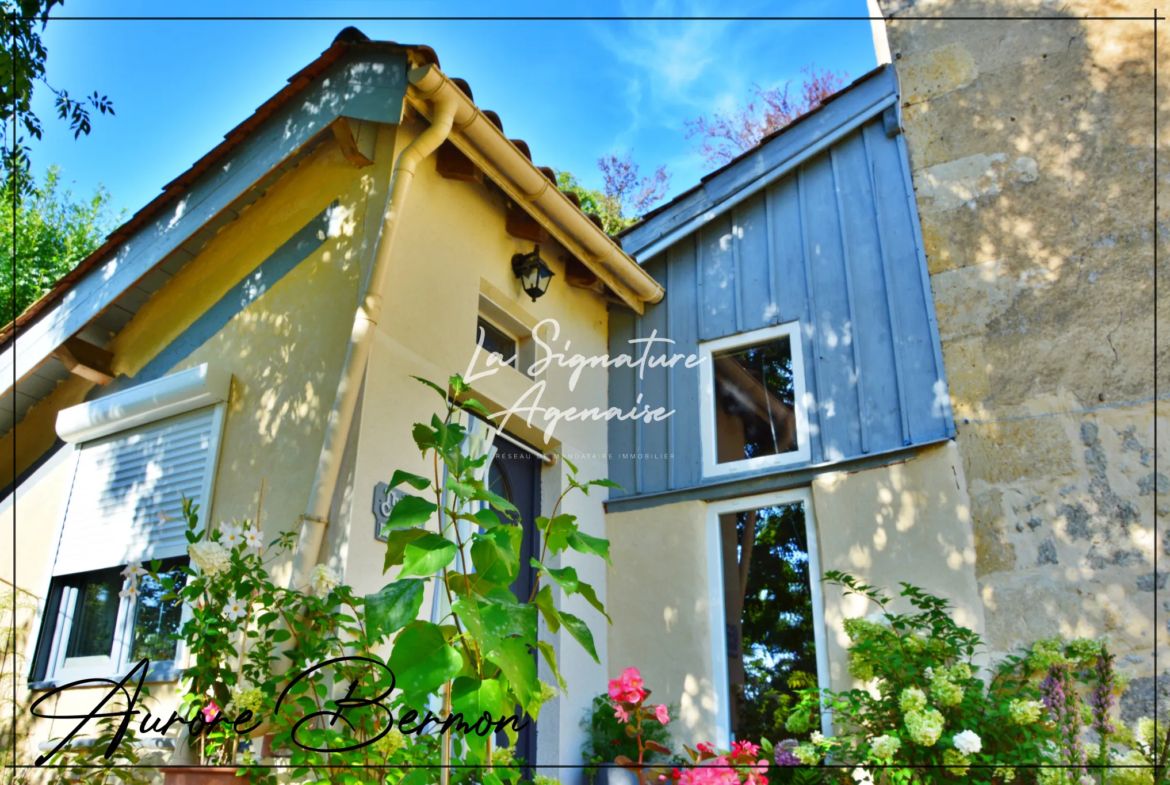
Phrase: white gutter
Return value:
(446, 107)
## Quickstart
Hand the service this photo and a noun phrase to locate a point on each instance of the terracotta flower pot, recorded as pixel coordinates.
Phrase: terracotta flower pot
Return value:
(200, 775)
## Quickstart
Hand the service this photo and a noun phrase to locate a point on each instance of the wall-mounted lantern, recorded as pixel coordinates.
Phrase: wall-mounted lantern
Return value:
(533, 272)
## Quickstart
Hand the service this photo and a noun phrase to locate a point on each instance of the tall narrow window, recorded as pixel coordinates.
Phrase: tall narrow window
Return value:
(496, 341)
(752, 413)
(771, 609)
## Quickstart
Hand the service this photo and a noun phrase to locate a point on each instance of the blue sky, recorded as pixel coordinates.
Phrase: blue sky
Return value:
(574, 90)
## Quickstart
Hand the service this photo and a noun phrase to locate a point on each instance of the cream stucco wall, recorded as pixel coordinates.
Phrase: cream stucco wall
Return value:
(904, 522)
(451, 247)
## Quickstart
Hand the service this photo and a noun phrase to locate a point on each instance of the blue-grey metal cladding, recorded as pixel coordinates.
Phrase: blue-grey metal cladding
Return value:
(834, 243)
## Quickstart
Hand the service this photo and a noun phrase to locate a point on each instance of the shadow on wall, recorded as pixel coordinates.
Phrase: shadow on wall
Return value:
(1032, 149)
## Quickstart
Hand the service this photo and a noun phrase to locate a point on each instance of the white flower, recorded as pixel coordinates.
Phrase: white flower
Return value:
(163, 518)
(130, 590)
(252, 539)
(862, 776)
(929, 673)
(885, 747)
(817, 737)
(209, 557)
(324, 579)
(234, 609)
(134, 571)
(231, 535)
(968, 742)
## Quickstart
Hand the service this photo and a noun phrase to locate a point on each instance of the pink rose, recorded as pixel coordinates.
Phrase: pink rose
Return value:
(660, 713)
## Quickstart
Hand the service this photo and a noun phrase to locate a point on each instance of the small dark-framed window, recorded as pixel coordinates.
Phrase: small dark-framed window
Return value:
(94, 628)
(496, 341)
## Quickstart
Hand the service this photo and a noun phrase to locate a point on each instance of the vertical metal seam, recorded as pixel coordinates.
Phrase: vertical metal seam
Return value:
(737, 299)
(924, 274)
(671, 482)
(895, 328)
(812, 309)
(862, 408)
(699, 287)
(770, 255)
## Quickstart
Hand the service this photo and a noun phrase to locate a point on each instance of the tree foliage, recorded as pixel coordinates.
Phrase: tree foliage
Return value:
(22, 66)
(51, 233)
(627, 195)
(723, 136)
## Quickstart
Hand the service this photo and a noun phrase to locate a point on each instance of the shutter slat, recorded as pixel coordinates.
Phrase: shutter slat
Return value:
(122, 484)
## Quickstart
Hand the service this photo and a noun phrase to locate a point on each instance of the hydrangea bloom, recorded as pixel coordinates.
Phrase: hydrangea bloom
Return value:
(955, 762)
(785, 753)
(808, 754)
(324, 579)
(251, 699)
(210, 557)
(924, 726)
(1131, 769)
(393, 741)
(912, 699)
(1146, 733)
(945, 692)
(1025, 712)
(885, 747)
(968, 742)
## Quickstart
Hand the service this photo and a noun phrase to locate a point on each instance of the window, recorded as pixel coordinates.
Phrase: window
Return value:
(752, 407)
(97, 632)
(496, 341)
(138, 454)
(766, 599)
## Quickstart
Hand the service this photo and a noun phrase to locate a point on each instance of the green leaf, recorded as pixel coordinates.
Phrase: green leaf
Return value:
(467, 609)
(586, 591)
(604, 483)
(558, 532)
(424, 438)
(584, 543)
(550, 657)
(410, 511)
(493, 555)
(505, 619)
(475, 406)
(462, 490)
(544, 603)
(570, 464)
(394, 607)
(427, 555)
(422, 661)
(458, 385)
(433, 386)
(473, 699)
(566, 577)
(416, 482)
(396, 542)
(496, 501)
(519, 666)
(580, 630)
(487, 518)
(476, 583)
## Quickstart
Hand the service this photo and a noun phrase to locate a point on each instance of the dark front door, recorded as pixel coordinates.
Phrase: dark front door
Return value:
(515, 475)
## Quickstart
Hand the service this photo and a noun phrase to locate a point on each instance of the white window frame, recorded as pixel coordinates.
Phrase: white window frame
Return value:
(172, 395)
(711, 465)
(717, 602)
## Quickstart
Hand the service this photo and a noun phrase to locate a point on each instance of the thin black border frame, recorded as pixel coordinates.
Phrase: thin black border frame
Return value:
(1155, 18)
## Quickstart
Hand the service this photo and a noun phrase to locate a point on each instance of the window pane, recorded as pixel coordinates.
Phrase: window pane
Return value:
(771, 646)
(754, 398)
(496, 340)
(156, 621)
(95, 615)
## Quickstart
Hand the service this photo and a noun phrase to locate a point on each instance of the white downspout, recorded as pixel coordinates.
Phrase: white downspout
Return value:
(315, 519)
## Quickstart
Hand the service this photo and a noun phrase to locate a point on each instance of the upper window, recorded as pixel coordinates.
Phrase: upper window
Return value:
(752, 409)
(124, 509)
(496, 341)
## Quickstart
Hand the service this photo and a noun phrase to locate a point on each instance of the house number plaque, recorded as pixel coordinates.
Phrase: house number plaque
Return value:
(384, 501)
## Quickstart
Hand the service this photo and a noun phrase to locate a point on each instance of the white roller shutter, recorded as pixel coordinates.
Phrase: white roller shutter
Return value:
(122, 484)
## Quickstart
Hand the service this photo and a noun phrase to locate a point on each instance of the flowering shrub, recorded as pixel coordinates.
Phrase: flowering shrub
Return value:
(927, 716)
(741, 764)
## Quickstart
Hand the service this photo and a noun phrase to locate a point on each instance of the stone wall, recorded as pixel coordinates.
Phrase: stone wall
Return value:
(1032, 151)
